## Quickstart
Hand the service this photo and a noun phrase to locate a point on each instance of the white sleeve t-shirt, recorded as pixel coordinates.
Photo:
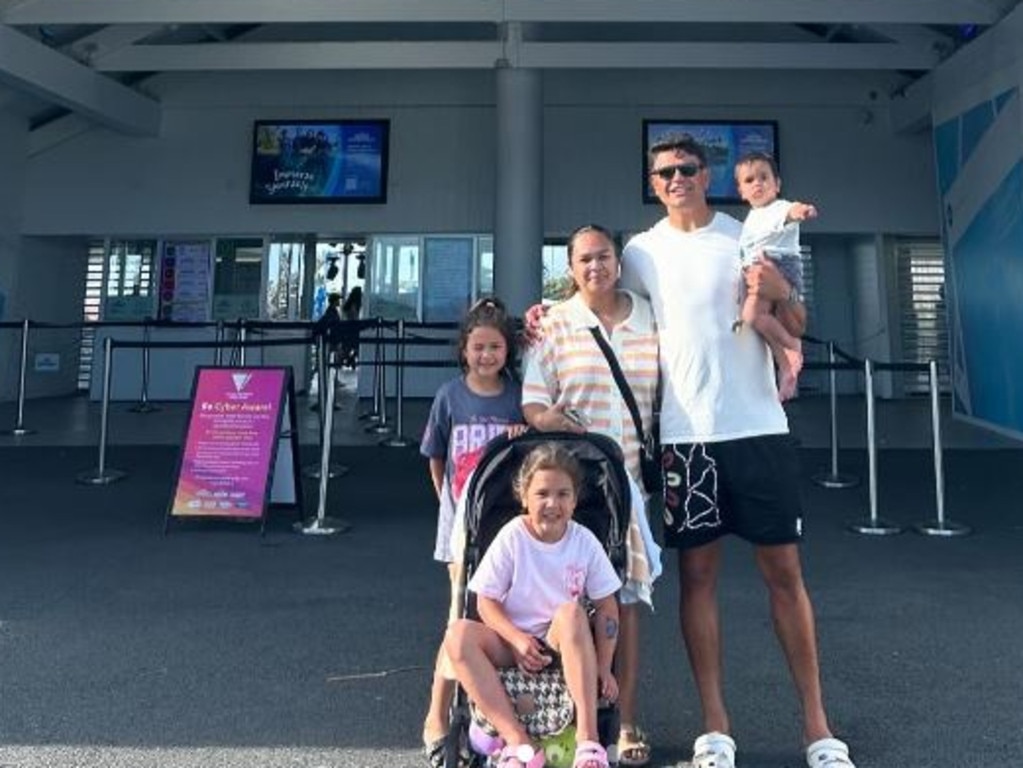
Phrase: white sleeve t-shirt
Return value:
(532, 578)
(717, 385)
(765, 229)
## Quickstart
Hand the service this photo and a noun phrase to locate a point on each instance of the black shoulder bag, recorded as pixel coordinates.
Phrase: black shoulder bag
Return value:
(649, 461)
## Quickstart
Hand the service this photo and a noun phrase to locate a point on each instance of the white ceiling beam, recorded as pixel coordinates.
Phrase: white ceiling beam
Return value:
(302, 56)
(451, 55)
(247, 11)
(34, 68)
(759, 11)
(824, 56)
(94, 47)
(913, 34)
(34, 12)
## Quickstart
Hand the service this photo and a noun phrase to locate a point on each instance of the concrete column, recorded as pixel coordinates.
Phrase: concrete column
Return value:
(13, 161)
(518, 218)
(873, 324)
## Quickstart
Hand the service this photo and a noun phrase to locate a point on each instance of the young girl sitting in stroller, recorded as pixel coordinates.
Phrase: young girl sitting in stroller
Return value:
(531, 586)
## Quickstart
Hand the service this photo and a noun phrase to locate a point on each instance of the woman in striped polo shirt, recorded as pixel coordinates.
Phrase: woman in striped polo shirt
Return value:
(568, 386)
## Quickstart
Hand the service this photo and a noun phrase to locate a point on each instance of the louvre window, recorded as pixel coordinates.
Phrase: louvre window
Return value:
(923, 328)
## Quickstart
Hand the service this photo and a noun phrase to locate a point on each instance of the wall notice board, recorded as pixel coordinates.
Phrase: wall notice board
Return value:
(447, 278)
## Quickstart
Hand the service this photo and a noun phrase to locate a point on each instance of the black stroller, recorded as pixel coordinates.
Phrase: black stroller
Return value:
(603, 506)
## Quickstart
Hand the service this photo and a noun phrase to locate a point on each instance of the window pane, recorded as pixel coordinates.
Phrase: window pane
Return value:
(237, 278)
(485, 284)
(284, 280)
(556, 279)
(394, 279)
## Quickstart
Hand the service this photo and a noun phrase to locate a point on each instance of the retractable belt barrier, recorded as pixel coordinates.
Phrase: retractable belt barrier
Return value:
(401, 338)
(103, 475)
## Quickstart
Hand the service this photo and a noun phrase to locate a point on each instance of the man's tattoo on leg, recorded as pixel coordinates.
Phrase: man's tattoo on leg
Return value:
(610, 628)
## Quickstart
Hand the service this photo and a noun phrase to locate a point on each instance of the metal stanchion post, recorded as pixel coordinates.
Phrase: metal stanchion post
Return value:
(218, 355)
(834, 478)
(381, 427)
(939, 526)
(399, 440)
(143, 405)
(19, 429)
(242, 336)
(374, 413)
(101, 475)
(321, 525)
(323, 371)
(321, 381)
(873, 526)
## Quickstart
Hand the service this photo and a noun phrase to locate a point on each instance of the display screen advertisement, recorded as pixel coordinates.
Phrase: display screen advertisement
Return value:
(724, 142)
(319, 161)
(227, 459)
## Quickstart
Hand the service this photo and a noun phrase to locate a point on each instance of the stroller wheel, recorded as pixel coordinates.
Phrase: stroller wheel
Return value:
(456, 748)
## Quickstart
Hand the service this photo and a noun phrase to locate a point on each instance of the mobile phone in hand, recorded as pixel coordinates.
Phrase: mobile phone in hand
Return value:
(577, 417)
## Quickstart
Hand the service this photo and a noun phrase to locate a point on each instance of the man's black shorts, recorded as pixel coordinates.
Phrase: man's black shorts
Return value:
(749, 487)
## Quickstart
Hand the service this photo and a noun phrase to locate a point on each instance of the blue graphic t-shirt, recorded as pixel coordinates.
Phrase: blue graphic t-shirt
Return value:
(460, 425)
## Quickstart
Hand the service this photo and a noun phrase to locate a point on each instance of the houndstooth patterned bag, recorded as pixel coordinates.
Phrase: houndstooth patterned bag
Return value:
(540, 700)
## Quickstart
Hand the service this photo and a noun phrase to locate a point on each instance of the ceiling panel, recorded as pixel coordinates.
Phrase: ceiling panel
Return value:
(117, 44)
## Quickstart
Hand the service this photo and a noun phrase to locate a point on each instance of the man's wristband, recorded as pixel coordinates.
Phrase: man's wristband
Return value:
(794, 296)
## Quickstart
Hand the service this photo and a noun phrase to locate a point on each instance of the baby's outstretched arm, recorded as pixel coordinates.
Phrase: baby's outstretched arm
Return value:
(801, 212)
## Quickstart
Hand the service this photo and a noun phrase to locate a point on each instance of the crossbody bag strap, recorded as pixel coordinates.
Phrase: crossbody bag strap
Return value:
(623, 385)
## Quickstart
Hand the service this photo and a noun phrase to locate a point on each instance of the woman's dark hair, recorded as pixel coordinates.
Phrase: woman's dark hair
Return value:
(354, 300)
(489, 312)
(586, 229)
(578, 232)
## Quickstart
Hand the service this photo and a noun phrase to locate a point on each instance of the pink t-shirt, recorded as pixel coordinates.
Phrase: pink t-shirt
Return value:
(532, 578)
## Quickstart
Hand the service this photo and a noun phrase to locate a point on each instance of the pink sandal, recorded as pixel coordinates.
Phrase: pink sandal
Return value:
(521, 756)
(589, 754)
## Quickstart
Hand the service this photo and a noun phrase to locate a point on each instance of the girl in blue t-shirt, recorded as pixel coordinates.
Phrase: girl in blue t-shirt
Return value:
(467, 412)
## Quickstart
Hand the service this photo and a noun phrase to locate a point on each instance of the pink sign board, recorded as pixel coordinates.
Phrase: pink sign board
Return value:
(227, 460)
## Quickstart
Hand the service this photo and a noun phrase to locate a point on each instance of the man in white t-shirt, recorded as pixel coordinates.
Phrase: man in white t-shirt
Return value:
(730, 465)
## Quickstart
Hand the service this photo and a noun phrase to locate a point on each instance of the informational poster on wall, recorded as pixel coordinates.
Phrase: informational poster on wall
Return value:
(185, 281)
(447, 278)
(127, 309)
(229, 455)
(980, 177)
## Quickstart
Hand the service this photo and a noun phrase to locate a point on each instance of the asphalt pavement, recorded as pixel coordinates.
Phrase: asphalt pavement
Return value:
(213, 646)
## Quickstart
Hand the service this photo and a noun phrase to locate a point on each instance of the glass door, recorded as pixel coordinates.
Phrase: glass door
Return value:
(237, 278)
(285, 276)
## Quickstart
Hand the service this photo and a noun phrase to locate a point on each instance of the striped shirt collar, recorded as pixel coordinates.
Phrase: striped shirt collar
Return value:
(581, 317)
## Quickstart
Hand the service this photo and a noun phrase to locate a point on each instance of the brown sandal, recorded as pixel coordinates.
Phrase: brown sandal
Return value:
(633, 749)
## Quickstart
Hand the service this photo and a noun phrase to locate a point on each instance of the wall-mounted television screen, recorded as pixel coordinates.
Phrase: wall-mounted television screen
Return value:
(724, 141)
(319, 161)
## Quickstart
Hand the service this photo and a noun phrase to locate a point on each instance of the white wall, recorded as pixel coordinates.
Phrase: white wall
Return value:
(193, 179)
(835, 148)
(870, 291)
(13, 164)
(834, 311)
(835, 145)
(52, 276)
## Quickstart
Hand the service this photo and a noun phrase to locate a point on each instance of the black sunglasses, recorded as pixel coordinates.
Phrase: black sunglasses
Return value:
(688, 170)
